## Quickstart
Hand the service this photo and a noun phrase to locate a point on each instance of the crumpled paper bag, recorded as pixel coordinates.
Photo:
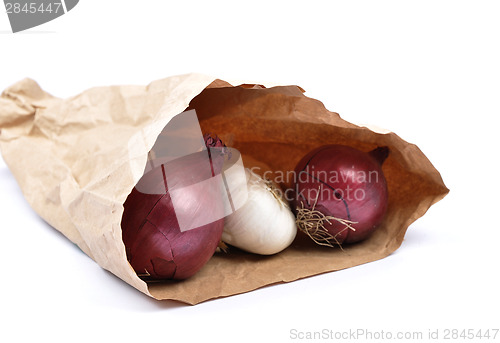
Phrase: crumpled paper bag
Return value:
(75, 165)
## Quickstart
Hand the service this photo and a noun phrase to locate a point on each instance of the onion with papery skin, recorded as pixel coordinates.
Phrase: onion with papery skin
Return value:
(341, 194)
(265, 224)
(155, 245)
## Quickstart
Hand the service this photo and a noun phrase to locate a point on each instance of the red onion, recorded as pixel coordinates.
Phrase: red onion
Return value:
(156, 246)
(341, 193)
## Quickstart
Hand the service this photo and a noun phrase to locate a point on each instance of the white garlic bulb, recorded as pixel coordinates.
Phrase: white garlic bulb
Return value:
(264, 224)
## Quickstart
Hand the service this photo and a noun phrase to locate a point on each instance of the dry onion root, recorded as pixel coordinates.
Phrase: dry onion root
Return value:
(312, 223)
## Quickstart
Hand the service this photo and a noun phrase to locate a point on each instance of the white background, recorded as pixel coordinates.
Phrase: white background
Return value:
(427, 70)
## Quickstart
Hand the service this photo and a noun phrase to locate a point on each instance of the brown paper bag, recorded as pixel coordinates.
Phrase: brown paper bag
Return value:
(75, 165)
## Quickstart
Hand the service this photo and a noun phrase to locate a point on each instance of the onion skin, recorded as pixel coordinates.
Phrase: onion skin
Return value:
(264, 225)
(156, 247)
(330, 180)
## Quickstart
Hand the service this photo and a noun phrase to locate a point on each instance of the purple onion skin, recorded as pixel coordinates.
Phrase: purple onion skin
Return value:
(155, 246)
(337, 172)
